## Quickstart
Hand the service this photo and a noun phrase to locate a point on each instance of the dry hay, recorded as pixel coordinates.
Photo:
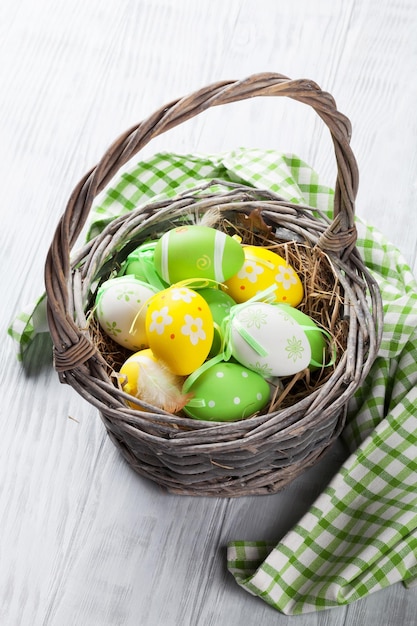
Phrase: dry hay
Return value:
(323, 302)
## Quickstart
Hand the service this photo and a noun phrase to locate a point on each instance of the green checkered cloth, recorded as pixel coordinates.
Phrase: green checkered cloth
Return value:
(361, 533)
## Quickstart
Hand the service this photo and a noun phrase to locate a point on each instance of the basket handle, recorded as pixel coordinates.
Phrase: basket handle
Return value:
(71, 346)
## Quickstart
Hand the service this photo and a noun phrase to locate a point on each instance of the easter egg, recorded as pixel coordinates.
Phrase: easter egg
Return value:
(149, 380)
(261, 269)
(220, 304)
(197, 252)
(179, 328)
(267, 340)
(140, 264)
(226, 392)
(120, 302)
(314, 333)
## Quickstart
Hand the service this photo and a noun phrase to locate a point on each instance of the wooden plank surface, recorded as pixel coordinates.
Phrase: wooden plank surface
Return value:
(84, 541)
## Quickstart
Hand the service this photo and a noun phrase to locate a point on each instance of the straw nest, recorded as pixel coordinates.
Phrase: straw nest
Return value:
(323, 301)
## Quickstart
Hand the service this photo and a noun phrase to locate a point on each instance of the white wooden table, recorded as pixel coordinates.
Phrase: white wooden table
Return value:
(83, 540)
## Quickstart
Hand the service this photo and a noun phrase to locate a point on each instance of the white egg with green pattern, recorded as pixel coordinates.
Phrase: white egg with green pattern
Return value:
(120, 304)
(265, 339)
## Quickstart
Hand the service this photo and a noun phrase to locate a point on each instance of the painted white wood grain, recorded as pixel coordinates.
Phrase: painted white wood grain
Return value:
(83, 540)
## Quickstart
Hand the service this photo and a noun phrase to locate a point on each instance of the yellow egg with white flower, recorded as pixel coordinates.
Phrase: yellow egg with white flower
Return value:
(263, 268)
(179, 328)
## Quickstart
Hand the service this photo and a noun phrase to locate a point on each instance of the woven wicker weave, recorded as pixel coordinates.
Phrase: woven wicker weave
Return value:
(261, 454)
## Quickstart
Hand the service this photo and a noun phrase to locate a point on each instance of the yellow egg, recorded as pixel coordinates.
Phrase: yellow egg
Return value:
(130, 370)
(261, 269)
(179, 327)
(148, 379)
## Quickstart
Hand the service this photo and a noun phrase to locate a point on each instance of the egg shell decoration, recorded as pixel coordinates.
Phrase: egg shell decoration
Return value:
(121, 301)
(315, 335)
(226, 392)
(179, 328)
(261, 269)
(220, 304)
(140, 264)
(195, 252)
(267, 340)
(147, 379)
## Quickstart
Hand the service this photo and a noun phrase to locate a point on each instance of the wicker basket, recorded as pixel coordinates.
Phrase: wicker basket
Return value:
(262, 454)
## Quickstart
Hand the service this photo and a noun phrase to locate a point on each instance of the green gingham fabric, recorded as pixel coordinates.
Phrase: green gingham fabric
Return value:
(361, 533)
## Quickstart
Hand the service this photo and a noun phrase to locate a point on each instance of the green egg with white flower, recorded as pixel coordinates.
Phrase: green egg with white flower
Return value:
(226, 392)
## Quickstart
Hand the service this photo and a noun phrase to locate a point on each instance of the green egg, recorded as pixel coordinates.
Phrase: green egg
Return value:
(220, 304)
(194, 252)
(140, 264)
(226, 392)
(314, 333)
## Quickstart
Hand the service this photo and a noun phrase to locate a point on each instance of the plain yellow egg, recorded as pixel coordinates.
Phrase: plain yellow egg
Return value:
(130, 370)
(143, 376)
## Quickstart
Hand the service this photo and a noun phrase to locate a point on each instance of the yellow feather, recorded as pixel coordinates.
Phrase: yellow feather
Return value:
(158, 386)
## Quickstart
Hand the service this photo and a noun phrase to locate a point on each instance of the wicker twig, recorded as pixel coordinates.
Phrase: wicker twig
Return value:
(265, 452)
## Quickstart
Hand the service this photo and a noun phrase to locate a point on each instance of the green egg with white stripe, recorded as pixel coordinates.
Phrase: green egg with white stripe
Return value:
(194, 251)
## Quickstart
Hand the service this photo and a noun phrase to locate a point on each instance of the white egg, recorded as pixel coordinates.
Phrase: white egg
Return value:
(121, 310)
(267, 340)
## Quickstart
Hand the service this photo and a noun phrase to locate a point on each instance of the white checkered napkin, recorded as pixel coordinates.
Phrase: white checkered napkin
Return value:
(394, 371)
(166, 174)
(162, 176)
(358, 537)
(361, 533)
(30, 322)
(285, 174)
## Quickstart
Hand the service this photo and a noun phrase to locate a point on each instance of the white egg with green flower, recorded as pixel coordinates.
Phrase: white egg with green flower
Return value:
(120, 309)
(265, 339)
